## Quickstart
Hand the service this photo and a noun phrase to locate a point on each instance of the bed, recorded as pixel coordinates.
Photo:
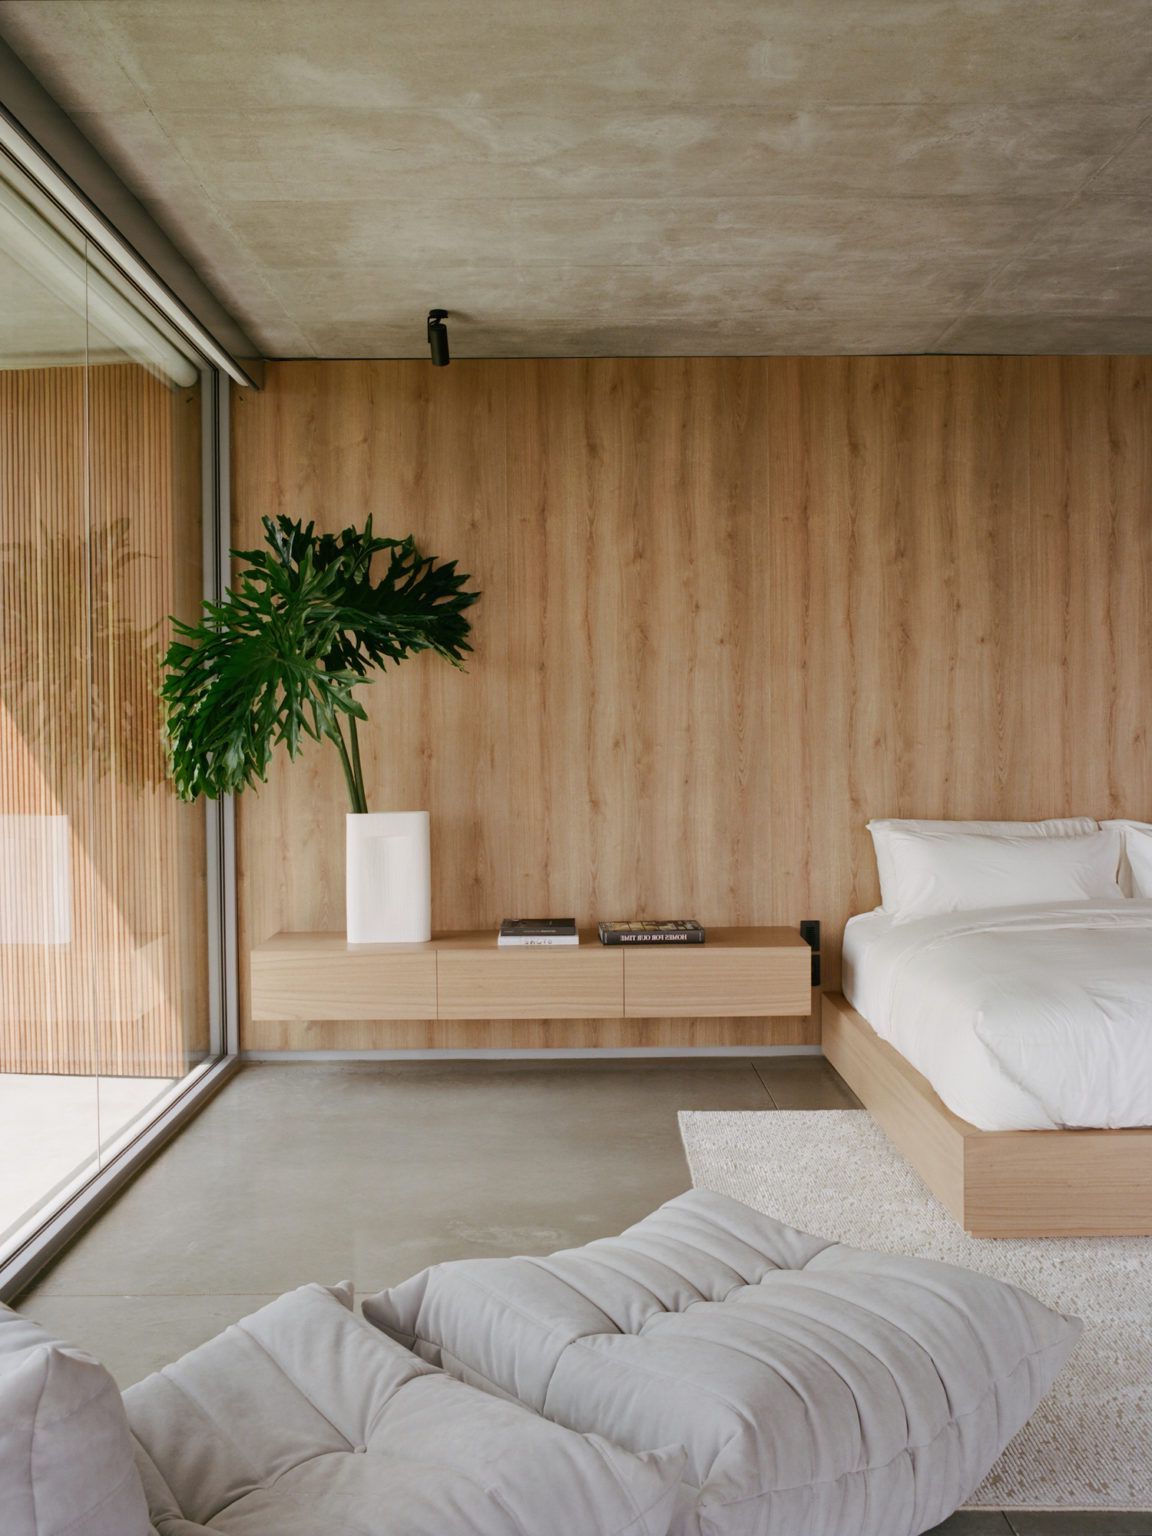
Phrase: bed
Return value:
(1007, 1052)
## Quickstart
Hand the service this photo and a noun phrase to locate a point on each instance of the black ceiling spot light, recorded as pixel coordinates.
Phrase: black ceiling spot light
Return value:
(438, 338)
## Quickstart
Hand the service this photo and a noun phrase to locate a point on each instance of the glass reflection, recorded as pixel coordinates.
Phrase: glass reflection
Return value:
(103, 950)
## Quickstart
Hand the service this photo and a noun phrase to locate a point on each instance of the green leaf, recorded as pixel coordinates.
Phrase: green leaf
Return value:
(277, 659)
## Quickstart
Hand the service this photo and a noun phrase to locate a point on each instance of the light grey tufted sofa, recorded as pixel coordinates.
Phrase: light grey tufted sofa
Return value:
(710, 1372)
(816, 1388)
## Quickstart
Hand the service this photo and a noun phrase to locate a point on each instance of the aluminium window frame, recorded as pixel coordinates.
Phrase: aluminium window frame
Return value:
(82, 1201)
(68, 193)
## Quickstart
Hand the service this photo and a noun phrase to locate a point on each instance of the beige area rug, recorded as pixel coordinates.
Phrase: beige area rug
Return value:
(833, 1172)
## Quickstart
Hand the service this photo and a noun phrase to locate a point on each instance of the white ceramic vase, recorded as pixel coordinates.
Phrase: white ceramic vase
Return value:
(389, 891)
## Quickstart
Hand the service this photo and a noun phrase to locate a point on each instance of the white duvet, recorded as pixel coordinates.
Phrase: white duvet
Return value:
(1021, 1018)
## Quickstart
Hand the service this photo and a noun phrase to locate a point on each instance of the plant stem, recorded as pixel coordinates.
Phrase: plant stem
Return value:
(354, 797)
(357, 766)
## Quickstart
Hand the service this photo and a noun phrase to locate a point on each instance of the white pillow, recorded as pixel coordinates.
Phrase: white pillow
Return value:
(1135, 856)
(67, 1461)
(1138, 846)
(881, 830)
(937, 873)
(1138, 858)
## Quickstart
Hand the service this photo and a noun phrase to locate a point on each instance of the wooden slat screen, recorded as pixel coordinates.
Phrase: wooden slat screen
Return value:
(99, 541)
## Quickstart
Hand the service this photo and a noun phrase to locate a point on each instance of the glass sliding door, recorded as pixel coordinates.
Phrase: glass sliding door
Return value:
(49, 1094)
(106, 996)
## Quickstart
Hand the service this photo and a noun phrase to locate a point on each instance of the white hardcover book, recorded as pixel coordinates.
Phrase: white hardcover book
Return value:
(520, 940)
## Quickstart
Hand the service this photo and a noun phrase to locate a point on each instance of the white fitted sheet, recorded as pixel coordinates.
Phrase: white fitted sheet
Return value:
(1021, 1018)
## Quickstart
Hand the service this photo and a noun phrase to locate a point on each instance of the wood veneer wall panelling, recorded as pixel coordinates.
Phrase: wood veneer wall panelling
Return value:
(733, 609)
(99, 504)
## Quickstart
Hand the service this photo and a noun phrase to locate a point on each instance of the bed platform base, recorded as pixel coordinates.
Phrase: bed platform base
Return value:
(995, 1183)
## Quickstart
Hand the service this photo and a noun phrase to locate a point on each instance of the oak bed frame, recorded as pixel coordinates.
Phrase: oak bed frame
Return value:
(995, 1183)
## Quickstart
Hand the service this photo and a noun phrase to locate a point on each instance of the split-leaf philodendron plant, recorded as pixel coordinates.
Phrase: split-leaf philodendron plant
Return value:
(279, 657)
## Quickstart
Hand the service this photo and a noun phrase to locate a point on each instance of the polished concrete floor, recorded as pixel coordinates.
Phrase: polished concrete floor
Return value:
(369, 1172)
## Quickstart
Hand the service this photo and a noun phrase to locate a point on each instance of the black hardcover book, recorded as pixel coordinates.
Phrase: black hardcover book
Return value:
(680, 931)
(538, 930)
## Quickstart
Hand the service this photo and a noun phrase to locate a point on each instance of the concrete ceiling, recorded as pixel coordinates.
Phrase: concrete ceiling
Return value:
(633, 176)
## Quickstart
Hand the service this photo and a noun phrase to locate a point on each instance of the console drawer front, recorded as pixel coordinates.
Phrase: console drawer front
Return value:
(333, 980)
(581, 982)
(713, 980)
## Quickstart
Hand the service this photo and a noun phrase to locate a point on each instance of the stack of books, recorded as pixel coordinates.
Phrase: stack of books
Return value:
(538, 930)
(562, 930)
(682, 930)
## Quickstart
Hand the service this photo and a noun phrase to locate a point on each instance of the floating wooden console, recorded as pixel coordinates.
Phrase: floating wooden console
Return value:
(737, 973)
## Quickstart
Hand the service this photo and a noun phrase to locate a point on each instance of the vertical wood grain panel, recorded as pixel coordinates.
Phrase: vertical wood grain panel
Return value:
(733, 609)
